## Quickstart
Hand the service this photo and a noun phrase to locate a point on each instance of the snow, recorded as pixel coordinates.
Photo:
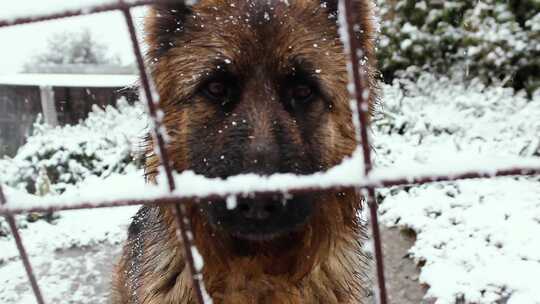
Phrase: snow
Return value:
(198, 262)
(70, 80)
(231, 202)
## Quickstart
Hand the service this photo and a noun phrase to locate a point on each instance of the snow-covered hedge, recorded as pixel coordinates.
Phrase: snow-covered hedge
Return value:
(494, 40)
(108, 141)
(431, 111)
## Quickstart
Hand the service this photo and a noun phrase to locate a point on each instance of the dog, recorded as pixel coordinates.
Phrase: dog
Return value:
(253, 86)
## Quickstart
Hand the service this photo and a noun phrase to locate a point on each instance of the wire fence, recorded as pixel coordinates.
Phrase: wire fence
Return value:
(359, 90)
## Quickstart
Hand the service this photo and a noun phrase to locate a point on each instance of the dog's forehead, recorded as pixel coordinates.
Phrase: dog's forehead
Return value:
(256, 10)
(276, 31)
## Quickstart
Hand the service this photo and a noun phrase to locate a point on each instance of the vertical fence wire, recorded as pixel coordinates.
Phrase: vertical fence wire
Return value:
(22, 251)
(357, 69)
(182, 221)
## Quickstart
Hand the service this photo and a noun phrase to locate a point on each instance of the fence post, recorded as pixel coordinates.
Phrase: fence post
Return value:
(48, 105)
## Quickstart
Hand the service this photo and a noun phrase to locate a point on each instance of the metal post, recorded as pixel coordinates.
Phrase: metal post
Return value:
(48, 105)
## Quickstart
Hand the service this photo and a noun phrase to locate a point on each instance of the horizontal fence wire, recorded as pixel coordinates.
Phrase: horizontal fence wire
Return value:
(95, 9)
(174, 198)
(357, 75)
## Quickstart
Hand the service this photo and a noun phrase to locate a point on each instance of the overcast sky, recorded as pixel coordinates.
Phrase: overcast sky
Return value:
(19, 43)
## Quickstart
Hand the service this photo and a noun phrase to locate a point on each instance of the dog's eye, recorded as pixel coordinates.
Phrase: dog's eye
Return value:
(216, 89)
(299, 94)
(302, 92)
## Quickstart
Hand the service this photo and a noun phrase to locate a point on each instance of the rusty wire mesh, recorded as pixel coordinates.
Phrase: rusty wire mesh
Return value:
(357, 76)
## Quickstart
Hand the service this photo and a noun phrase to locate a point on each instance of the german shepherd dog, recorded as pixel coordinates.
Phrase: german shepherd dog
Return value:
(252, 86)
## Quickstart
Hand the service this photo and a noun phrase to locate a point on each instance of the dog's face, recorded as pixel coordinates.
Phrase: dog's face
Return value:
(252, 87)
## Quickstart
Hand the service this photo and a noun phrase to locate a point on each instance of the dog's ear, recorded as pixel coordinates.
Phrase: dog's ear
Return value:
(163, 24)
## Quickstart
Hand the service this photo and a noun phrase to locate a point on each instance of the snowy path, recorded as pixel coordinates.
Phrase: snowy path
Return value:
(72, 258)
(401, 273)
(74, 275)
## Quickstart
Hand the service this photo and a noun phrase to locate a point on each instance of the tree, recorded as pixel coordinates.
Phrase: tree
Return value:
(73, 48)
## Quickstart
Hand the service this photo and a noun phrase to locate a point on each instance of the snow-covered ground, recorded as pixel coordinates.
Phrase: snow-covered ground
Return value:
(70, 257)
(478, 240)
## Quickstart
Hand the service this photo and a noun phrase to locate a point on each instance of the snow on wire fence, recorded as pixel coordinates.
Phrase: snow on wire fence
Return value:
(367, 180)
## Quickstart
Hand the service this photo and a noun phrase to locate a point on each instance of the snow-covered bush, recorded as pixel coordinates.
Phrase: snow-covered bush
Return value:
(430, 111)
(494, 40)
(108, 141)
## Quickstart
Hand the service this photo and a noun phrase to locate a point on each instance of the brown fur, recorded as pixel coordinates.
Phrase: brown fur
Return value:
(320, 263)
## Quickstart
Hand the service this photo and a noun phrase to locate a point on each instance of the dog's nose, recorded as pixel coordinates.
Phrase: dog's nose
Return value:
(259, 210)
(262, 156)
(260, 217)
